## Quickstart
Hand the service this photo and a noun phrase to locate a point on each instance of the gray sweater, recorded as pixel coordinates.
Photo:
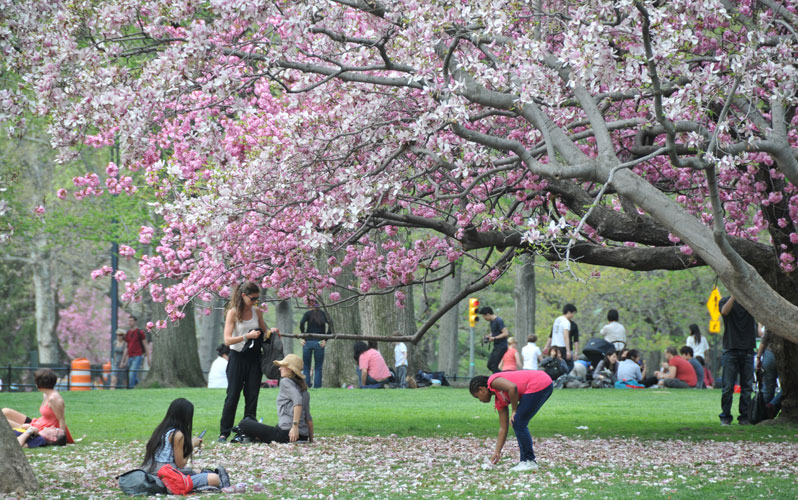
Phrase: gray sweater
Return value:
(288, 397)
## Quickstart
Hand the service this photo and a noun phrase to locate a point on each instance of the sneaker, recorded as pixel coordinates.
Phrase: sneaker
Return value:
(725, 422)
(224, 479)
(222, 439)
(526, 466)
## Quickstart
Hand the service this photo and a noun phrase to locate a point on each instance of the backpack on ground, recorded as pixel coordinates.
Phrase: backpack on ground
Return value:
(138, 482)
(272, 351)
(175, 481)
(553, 368)
(757, 409)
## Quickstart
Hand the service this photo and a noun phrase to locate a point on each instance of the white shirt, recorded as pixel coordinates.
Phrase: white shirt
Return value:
(243, 327)
(400, 354)
(700, 349)
(217, 377)
(557, 331)
(530, 353)
(614, 332)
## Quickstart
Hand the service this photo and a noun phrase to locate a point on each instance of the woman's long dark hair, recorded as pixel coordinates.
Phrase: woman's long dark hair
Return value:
(299, 381)
(237, 297)
(695, 332)
(179, 416)
(360, 348)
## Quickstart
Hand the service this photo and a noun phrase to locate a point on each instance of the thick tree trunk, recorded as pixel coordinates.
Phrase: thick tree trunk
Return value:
(524, 295)
(408, 326)
(175, 362)
(46, 310)
(285, 323)
(786, 353)
(16, 474)
(210, 330)
(339, 364)
(448, 345)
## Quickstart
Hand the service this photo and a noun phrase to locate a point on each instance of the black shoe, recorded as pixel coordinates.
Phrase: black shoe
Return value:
(236, 430)
(224, 479)
(241, 438)
(744, 421)
(725, 421)
(222, 438)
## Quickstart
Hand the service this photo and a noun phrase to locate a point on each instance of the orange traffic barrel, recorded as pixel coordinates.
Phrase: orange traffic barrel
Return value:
(80, 376)
(106, 373)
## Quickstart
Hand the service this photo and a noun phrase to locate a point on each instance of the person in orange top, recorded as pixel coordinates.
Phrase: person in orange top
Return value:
(525, 391)
(52, 408)
(511, 360)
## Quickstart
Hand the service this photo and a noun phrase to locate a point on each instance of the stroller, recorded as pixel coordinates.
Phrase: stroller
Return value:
(595, 350)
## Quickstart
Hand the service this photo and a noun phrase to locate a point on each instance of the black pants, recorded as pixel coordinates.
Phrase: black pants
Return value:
(265, 433)
(495, 358)
(243, 372)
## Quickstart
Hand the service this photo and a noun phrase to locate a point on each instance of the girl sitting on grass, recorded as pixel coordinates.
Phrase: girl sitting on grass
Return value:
(171, 443)
(525, 391)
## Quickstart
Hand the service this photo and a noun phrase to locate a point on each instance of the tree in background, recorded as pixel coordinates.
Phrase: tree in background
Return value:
(84, 324)
(636, 134)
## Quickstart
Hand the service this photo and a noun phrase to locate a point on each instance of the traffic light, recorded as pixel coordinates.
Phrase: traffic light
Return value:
(473, 307)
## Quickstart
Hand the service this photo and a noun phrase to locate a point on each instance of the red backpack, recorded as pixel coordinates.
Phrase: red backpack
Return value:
(175, 481)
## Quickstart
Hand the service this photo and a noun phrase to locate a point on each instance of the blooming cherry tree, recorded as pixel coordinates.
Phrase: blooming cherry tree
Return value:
(629, 133)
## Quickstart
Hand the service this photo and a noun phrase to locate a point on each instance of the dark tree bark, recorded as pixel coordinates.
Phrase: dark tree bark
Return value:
(16, 474)
(210, 331)
(285, 323)
(339, 364)
(524, 295)
(175, 362)
(448, 345)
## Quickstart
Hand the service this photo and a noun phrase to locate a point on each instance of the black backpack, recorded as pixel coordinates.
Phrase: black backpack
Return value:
(272, 351)
(553, 368)
(757, 409)
(138, 482)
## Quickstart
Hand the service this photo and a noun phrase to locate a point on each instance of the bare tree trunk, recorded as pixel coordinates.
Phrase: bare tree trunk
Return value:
(339, 364)
(46, 308)
(285, 323)
(379, 316)
(210, 330)
(175, 362)
(448, 348)
(524, 294)
(16, 474)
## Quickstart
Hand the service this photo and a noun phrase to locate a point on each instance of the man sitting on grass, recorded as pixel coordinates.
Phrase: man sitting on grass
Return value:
(676, 374)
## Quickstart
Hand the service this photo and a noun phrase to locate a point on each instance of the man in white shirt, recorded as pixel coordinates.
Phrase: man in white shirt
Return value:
(400, 363)
(531, 353)
(614, 332)
(217, 376)
(561, 333)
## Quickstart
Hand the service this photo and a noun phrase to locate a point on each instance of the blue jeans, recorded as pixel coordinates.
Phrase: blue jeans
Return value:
(312, 348)
(769, 375)
(528, 406)
(370, 382)
(736, 363)
(134, 365)
(401, 376)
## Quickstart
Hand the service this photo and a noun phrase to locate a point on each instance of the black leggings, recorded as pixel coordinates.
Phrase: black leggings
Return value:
(243, 372)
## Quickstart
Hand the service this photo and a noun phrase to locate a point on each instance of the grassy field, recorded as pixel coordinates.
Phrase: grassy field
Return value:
(434, 442)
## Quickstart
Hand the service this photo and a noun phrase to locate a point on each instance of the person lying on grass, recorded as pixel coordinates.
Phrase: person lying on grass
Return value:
(525, 391)
(51, 409)
(171, 443)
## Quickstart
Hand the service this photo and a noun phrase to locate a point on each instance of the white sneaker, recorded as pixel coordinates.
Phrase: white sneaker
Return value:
(527, 466)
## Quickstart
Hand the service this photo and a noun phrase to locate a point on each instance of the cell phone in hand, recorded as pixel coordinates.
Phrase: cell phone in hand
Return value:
(202, 434)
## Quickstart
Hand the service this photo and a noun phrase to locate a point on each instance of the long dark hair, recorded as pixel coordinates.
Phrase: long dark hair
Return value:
(179, 416)
(237, 297)
(360, 348)
(695, 332)
(299, 381)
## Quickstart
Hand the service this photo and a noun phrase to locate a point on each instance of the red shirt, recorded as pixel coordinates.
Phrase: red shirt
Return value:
(527, 381)
(684, 370)
(509, 360)
(135, 342)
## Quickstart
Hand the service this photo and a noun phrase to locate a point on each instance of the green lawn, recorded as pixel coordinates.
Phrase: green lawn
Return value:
(430, 412)
(434, 443)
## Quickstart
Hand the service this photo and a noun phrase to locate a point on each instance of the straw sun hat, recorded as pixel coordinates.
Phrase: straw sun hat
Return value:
(293, 363)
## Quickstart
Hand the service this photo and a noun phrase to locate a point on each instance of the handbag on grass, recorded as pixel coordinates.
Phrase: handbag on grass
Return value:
(175, 481)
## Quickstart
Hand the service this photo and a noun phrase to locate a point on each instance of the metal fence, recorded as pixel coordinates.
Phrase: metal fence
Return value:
(20, 378)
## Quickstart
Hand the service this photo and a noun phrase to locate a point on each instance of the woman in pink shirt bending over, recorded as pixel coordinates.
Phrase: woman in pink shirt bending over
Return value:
(372, 371)
(525, 391)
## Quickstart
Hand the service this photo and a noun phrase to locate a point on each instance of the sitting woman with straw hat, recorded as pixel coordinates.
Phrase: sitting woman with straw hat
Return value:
(294, 422)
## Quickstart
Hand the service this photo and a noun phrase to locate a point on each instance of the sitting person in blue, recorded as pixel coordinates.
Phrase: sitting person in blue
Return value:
(631, 368)
(171, 443)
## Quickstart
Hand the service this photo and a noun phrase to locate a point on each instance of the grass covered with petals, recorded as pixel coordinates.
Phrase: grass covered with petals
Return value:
(435, 442)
